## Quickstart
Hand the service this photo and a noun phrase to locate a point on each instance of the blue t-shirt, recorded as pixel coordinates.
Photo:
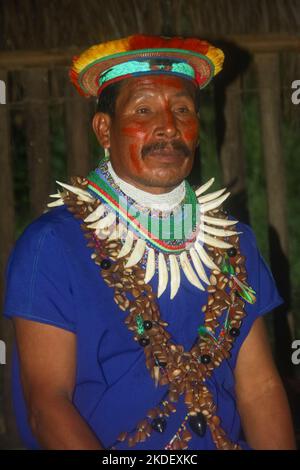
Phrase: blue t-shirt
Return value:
(52, 279)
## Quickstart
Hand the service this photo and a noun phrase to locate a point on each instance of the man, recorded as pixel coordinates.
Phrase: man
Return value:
(166, 348)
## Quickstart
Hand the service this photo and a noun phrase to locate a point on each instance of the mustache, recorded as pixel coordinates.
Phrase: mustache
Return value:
(177, 146)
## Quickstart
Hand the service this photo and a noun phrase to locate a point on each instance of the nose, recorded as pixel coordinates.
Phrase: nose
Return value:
(167, 124)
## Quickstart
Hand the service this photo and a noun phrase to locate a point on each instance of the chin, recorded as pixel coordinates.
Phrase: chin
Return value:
(164, 179)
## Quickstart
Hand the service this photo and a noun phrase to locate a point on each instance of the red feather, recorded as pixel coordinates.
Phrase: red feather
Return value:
(140, 41)
(74, 79)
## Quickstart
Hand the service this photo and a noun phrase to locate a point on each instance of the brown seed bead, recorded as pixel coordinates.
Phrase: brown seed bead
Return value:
(135, 292)
(153, 413)
(221, 285)
(148, 429)
(139, 436)
(184, 445)
(216, 420)
(176, 363)
(112, 245)
(119, 285)
(186, 435)
(189, 397)
(209, 316)
(115, 268)
(173, 396)
(211, 289)
(122, 436)
(175, 373)
(143, 436)
(163, 380)
(149, 363)
(218, 305)
(172, 407)
(219, 260)
(176, 445)
(131, 441)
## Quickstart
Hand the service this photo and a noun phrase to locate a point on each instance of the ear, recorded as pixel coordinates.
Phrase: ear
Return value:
(101, 126)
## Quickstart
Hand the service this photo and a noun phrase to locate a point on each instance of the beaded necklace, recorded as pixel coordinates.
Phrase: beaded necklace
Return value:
(102, 185)
(184, 371)
(145, 239)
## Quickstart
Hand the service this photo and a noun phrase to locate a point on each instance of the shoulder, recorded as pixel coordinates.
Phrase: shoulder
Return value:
(54, 219)
(56, 224)
(258, 270)
(47, 237)
(38, 271)
(254, 261)
(247, 239)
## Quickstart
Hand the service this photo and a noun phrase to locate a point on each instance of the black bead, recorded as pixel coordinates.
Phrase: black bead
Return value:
(144, 341)
(198, 424)
(234, 332)
(147, 324)
(205, 359)
(232, 252)
(105, 264)
(162, 364)
(159, 424)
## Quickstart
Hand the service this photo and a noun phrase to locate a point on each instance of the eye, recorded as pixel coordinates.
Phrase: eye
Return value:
(182, 109)
(143, 110)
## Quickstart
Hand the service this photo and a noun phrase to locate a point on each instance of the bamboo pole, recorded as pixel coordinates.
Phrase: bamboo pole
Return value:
(267, 66)
(7, 228)
(78, 129)
(231, 151)
(37, 134)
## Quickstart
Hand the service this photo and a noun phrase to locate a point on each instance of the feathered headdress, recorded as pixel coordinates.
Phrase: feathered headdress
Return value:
(106, 63)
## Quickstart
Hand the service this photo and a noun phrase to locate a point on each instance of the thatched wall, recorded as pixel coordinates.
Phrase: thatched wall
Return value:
(39, 24)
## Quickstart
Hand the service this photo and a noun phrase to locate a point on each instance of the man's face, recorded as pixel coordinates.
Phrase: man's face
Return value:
(154, 133)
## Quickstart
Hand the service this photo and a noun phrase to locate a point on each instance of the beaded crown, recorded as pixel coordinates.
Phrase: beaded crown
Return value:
(138, 55)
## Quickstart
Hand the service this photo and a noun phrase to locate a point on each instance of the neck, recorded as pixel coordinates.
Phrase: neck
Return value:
(165, 201)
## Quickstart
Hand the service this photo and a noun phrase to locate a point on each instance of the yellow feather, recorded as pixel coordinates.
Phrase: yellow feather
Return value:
(217, 58)
(100, 50)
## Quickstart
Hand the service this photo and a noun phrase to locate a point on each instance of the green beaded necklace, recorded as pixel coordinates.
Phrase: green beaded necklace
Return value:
(147, 226)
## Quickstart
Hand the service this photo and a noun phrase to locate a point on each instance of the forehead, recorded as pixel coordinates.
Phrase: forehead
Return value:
(156, 84)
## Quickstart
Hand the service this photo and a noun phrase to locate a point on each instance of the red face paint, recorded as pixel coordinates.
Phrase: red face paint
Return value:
(191, 133)
(160, 98)
(135, 158)
(132, 131)
(168, 80)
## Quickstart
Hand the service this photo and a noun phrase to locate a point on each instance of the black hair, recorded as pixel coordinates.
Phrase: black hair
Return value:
(197, 99)
(107, 101)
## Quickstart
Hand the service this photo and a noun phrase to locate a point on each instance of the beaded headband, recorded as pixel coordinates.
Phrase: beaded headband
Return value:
(106, 63)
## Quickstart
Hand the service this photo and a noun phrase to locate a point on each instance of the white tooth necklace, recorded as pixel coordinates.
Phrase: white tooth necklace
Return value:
(140, 229)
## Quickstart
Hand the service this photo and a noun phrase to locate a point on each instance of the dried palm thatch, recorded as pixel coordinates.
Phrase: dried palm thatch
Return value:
(33, 24)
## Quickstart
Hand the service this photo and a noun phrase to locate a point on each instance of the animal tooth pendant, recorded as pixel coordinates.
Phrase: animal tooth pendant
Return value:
(168, 259)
